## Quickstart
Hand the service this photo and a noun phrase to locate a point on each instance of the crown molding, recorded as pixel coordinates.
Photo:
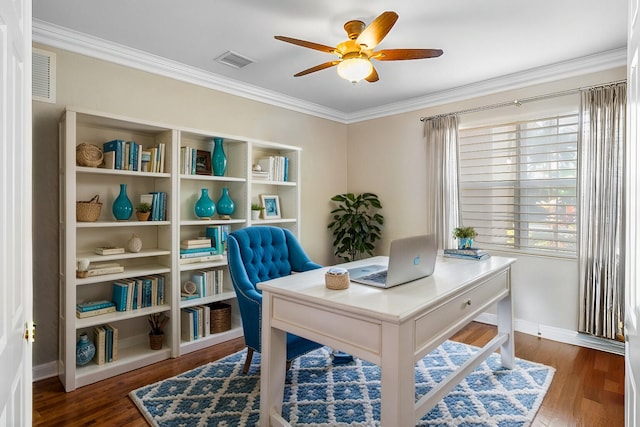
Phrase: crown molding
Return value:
(80, 43)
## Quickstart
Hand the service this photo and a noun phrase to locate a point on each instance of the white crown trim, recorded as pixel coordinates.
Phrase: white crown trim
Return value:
(80, 43)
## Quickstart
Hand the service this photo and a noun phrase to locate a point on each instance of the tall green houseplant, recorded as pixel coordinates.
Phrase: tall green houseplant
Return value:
(355, 225)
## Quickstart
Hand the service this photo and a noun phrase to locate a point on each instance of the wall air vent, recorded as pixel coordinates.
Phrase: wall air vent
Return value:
(43, 76)
(234, 60)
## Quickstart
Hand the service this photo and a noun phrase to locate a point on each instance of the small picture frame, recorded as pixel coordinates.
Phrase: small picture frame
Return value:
(271, 206)
(203, 162)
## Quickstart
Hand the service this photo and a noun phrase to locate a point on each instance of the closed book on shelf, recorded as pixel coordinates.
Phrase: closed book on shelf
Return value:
(92, 313)
(114, 353)
(186, 325)
(108, 250)
(108, 343)
(469, 253)
(99, 336)
(119, 295)
(93, 305)
(197, 259)
(116, 146)
(198, 249)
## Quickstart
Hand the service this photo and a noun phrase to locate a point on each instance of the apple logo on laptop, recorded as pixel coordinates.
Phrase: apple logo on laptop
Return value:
(416, 260)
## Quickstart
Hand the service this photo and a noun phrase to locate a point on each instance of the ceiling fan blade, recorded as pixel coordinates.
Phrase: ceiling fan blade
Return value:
(373, 77)
(316, 68)
(304, 43)
(377, 30)
(402, 54)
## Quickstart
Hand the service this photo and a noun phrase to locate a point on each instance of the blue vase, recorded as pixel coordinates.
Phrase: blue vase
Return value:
(225, 204)
(122, 207)
(465, 242)
(85, 350)
(204, 208)
(218, 158)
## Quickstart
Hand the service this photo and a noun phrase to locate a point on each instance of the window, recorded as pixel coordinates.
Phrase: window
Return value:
(518, 184)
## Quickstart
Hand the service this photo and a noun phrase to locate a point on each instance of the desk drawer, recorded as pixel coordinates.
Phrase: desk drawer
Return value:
(451, 315)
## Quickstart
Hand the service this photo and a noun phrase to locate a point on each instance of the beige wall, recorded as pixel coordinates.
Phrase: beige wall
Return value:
(387, 156)
(105, 87)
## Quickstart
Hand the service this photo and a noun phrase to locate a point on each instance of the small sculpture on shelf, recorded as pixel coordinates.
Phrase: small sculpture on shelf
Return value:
(135, 243)
(143, 211)
(156, 335)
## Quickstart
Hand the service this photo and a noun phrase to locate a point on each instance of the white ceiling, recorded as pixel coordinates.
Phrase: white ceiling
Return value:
(484, 41)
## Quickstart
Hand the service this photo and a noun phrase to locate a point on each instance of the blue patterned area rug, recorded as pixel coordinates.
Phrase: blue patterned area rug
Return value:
(319, 393)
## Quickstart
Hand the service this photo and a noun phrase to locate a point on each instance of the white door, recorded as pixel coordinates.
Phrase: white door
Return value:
(15, 212)
(632, 215)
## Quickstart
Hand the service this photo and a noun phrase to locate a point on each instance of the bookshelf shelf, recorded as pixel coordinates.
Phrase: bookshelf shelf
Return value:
(160, 253)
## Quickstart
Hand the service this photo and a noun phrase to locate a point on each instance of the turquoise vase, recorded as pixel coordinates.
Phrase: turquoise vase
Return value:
(225, 204)
(218, 158)
(465, 242)
(204, 208)
(85, 350)
(122, 207)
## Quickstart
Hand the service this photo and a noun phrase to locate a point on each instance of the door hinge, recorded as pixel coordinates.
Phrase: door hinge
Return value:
(30, 332)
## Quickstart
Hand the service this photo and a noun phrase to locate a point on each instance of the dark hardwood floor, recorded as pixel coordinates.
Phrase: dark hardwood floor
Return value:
(587, 389)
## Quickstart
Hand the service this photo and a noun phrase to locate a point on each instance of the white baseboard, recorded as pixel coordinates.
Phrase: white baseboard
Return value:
(50, 369)
(44, 371)
(557, 334)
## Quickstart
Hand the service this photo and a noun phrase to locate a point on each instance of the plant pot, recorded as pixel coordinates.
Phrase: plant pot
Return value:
(255, 215)
(465, 242)
(143, 216)
(155, 341)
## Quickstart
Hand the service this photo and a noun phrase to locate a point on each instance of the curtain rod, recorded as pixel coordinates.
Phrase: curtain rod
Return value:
(519, 102)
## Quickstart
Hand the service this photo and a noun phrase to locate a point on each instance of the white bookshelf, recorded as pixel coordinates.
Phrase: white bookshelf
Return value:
(161, 239)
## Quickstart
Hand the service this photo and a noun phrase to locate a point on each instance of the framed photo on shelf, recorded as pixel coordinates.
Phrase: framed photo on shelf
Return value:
(203, 162)
(271, 206)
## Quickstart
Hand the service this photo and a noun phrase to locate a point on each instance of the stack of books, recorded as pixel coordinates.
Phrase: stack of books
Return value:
(94, 308)
(138, 292)
(470, 253)
(276, 167)
(198, 250)
(101, 268)
(195, 322)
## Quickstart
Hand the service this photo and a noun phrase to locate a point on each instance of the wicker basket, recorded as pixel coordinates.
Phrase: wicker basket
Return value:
(220, 317)
(336, 279)
(88, 211)
(88, 155)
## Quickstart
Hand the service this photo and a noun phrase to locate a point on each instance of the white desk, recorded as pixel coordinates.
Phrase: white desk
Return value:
(393, 328)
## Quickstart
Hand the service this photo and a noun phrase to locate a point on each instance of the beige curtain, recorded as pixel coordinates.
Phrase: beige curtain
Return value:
(443, 214)
(600, 192)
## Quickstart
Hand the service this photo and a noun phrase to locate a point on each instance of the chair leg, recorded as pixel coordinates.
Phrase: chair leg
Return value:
(289, 364)
(247, 362)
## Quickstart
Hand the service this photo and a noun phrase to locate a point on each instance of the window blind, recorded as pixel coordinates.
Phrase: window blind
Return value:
(518, 184)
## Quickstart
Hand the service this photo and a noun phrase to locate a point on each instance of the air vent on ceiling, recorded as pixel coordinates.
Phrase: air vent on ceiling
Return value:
(234, 60)
(43, 75)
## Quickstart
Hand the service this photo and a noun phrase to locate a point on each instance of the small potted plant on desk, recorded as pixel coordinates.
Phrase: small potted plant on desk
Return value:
(465, 236)
(156, 335)
(143, 211)
(256, 209)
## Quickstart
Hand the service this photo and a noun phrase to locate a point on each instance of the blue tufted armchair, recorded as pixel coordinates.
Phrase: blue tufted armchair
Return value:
(257, 254)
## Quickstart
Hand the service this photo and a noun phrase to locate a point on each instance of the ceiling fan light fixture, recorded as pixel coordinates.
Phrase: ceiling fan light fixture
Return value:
(355, 69)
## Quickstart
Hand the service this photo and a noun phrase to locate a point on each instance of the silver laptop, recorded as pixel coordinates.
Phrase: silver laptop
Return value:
(410, 259)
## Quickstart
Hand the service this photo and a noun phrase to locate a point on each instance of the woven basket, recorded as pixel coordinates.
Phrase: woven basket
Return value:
(88, 211)
(220, 317)
(88, 155)
(336, 281)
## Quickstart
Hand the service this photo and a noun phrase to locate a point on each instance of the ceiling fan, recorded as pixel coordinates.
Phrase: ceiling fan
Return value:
(355, 54)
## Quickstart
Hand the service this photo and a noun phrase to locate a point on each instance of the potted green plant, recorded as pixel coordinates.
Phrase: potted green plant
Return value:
(256, 209)
(465, 236)
(355, 225)
(156, 335)
(143, 211)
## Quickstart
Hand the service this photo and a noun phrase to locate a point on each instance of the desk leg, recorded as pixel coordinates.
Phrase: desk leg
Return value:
(397, 383)
(505, 326)
(272, 365)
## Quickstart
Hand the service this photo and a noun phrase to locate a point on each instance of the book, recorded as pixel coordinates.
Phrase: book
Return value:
(116, 146)
(197, 259)
(119, 296)
(199, 249)
(186, 325)
(94, 305)
(99, 341)
(105, 270)
(109, 160)
(470, 253)
(185, 297)
(108, 349)
(108, 250)
(195, 243)
(98, 312)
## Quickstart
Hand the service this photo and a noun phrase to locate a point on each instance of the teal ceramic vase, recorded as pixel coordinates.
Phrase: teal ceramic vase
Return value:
(122, 207)
(204, 207)
(225, 205)
(85, 350)
(218, 158)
